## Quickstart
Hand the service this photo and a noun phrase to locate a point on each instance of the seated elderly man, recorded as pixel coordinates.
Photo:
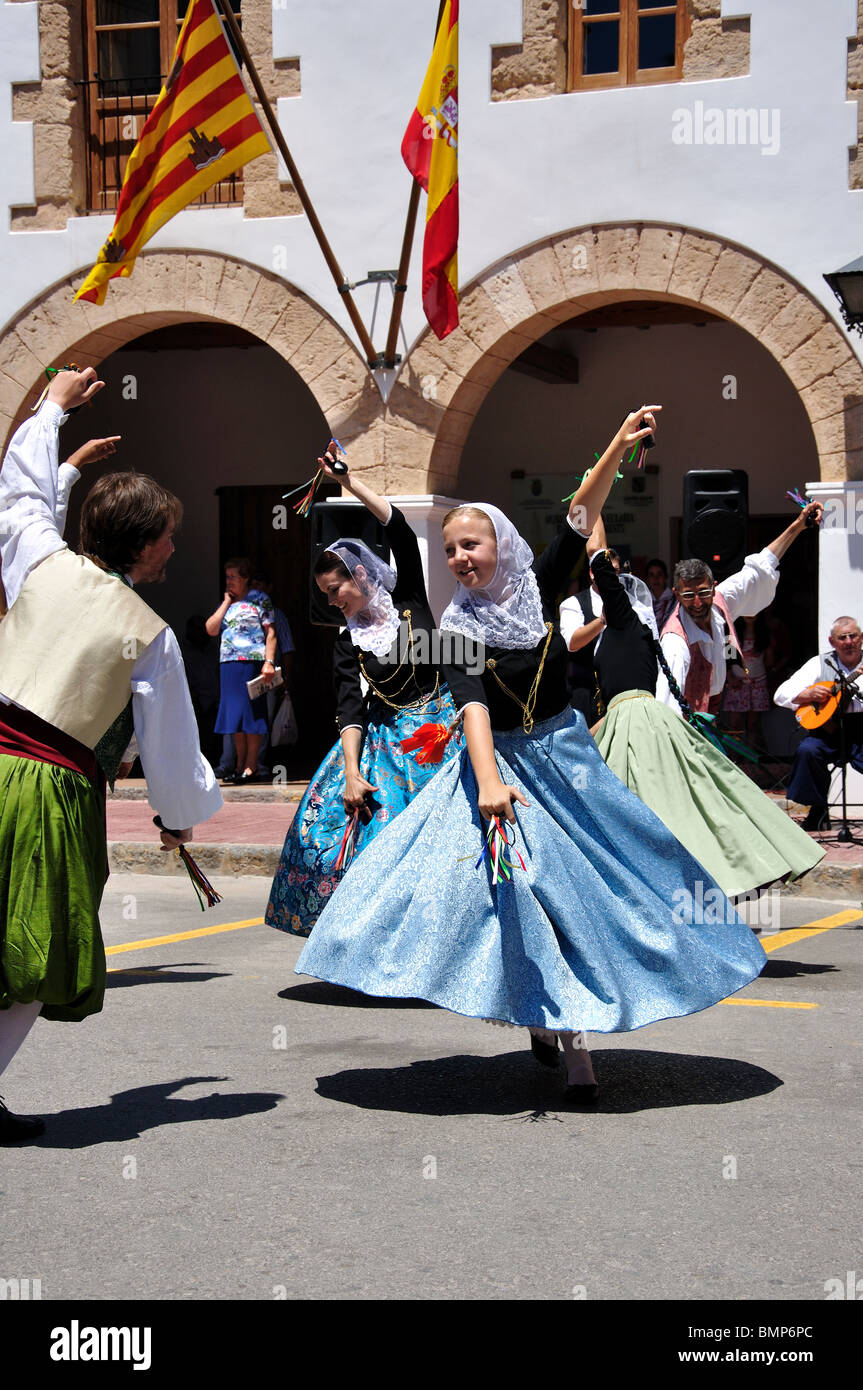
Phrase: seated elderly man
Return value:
(810, 774)
(694, 637)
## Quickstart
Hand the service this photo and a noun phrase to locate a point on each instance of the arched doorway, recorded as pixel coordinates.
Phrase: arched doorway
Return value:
(518, 301)
(218, 380)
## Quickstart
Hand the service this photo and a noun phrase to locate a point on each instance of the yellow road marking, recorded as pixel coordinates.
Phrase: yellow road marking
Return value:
(768, 1003)
(788, 938)
(182, 936)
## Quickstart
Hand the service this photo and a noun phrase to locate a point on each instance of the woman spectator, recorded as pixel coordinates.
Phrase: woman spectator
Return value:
(246, 621)
(657, 583)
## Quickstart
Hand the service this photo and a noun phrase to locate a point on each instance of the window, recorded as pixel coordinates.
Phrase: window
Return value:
(620, 43)
(128, 46)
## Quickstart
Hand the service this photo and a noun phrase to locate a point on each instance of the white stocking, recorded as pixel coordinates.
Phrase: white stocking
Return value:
(15, 1024)
(579, 1068)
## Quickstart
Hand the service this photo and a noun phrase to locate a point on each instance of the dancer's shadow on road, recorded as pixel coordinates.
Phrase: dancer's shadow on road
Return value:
(788, 969)
(510, 1084)
(130, 1113)
(187, 972)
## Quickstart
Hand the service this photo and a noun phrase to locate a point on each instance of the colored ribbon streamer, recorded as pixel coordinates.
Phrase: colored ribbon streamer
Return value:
(204, 890)
(348, 844)
(207, 895)
(638, 454)
(617, 477)
(303, 507)
(495, 847)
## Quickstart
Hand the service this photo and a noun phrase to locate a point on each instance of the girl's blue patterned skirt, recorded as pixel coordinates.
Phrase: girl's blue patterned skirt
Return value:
(306, 879)
(611, 925)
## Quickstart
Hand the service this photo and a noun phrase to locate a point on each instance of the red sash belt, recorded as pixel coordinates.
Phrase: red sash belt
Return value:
(25, 735)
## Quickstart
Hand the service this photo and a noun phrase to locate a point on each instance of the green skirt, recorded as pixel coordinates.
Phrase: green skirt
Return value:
(727, 823)
(53, 858)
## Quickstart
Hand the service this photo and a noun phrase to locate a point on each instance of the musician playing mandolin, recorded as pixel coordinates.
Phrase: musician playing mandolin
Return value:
(813, 687)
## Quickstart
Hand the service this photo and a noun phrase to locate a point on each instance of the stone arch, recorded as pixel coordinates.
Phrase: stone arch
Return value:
(518, 300)
(179, 287)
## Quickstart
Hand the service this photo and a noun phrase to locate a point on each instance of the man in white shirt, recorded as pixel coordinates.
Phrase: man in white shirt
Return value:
(83, 662)
(810, 775)
(694, 637)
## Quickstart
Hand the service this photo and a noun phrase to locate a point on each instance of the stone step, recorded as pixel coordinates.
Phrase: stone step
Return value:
(276, 792)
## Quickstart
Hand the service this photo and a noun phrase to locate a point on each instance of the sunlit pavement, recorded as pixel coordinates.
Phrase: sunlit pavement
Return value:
(226, 1129)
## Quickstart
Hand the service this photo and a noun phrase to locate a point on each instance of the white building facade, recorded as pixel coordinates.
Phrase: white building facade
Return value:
(658, 234)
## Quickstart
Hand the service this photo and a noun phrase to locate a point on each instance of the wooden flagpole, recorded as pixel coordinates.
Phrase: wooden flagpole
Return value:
(335, 269)
(407, 243)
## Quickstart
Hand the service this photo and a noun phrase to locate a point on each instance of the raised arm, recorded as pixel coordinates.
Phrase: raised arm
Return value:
(401, 539)
(617, 609)
(378, 506)
(590, 498)
(810, 516)
(32, 501)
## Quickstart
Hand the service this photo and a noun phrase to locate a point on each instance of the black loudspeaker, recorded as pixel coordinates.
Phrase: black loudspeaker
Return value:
(716, 518)
(331, 522)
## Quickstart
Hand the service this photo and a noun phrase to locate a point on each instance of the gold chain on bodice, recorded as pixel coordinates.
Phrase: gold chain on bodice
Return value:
(530, 704)
(413, 704)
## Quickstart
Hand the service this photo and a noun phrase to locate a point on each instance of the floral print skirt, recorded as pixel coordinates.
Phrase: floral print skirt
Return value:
(306, 877)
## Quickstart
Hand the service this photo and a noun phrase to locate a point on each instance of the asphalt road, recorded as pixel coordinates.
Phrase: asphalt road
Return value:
(228, 1130)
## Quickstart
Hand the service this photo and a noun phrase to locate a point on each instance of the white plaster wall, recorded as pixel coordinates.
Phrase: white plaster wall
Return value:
(528, 169)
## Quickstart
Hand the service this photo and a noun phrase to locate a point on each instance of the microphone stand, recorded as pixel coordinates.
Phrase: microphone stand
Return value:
(848, 689)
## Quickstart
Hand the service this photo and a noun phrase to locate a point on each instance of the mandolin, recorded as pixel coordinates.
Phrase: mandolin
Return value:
(815, 716)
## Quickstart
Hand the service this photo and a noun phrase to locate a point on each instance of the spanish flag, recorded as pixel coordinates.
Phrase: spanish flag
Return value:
(202, 128)
(430, 150)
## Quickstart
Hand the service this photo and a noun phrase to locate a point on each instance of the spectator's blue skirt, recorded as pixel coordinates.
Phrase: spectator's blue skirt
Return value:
(305, 879)
(237, 713)
(612, 925)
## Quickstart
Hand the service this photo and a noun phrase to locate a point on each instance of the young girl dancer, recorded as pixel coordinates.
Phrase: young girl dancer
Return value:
(743, 840)
(388, 619)
(589, 934)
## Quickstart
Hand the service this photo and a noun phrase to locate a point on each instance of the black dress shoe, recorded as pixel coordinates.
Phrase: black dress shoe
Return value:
(581, 1094)
(16, 1130)
(545, 1053)
(817, 819)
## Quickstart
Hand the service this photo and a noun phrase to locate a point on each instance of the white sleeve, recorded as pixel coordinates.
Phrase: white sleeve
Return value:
(29, 498)
(753, 587)
(67, 477)
(676, 653)
(181, 786)
(806, 676)
(571, 619)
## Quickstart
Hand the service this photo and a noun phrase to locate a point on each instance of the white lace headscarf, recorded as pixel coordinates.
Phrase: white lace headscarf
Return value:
(508, 612)
(375, 627)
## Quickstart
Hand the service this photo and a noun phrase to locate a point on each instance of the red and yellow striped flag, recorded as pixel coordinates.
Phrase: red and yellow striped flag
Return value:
(430, 150)
(202, 128)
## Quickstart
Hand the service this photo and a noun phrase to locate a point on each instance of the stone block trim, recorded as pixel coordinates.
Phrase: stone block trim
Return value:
(177, 287)
(263, 194)
(414, 442)
(55, 108)
(714, 47)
